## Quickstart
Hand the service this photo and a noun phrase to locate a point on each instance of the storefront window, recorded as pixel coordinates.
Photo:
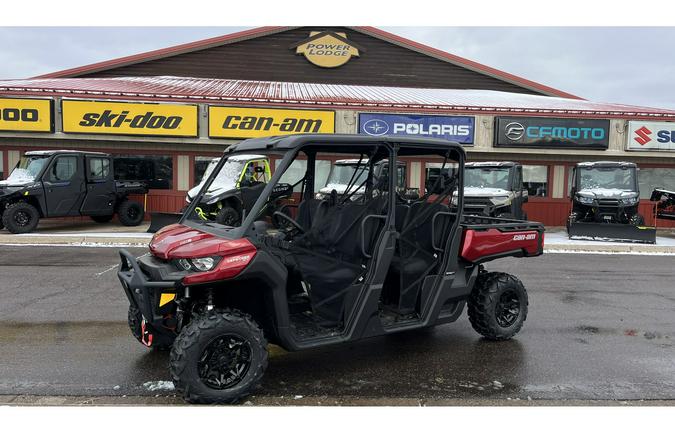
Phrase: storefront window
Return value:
(535, 180)
(201, 165)
(433, 170)
(154, 170)
(650, 178)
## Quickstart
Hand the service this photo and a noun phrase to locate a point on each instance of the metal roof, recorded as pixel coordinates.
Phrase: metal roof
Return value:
(268, 30)
(312, 95)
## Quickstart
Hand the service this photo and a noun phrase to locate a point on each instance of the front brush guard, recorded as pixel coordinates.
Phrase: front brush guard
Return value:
(140, 290)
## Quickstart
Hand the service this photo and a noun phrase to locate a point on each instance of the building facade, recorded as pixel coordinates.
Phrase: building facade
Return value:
(165, 114)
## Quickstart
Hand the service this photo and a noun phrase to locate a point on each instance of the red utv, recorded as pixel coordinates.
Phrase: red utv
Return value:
(304, 270)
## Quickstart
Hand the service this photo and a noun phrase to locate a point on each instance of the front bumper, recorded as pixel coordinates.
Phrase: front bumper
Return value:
(145, 294)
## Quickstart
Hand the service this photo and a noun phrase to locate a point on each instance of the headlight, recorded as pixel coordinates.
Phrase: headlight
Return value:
(585, 200)
(188, 199)
(453, 201)
(319, 196)
(630, 201)
(206, 263)
(203, 264)
(499, 199)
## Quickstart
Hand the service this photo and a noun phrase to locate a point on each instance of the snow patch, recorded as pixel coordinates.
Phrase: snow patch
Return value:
(159, 386)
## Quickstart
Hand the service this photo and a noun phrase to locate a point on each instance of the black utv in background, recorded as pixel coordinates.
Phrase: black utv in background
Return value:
(64, 183)
(494, 189)
(605, 199)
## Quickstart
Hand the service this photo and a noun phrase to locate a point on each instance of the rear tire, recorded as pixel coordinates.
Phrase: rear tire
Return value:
(228, 216)
(637, 220)
(497, 306)
(130, 213)
(101, 218)
(160, 341)
(220, 357)
(20, 217)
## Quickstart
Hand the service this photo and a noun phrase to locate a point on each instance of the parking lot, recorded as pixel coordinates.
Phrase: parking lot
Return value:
(600, 327)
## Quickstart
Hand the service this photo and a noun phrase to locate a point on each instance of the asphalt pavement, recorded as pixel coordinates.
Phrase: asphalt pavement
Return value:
(600, 327)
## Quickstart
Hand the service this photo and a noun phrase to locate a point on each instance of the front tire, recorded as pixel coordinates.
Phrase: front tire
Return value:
(220, 357)
(637, 220)
(20, 217)
(228, 216)
(497, 306)
(130, 213)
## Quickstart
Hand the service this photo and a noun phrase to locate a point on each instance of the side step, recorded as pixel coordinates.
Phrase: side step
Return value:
(612, 232)
(162, 219)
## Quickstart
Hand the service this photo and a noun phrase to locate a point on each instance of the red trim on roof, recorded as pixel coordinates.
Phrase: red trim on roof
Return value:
(266, 30)
(165, 52)
(460, 61)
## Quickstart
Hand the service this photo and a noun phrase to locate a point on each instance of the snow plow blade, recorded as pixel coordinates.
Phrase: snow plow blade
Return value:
(612, 232)
(162, 219)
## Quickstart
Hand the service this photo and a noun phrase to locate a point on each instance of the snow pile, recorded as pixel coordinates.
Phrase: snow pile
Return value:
(159, 386)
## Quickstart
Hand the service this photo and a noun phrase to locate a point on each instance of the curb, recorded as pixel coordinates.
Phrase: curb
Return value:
(75, 240)
(609, 248)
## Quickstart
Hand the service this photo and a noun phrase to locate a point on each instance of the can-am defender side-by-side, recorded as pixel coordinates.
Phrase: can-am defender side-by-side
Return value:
(605, 198)
(236, 188)
(62, 183)
(338, 270)
(494, 189)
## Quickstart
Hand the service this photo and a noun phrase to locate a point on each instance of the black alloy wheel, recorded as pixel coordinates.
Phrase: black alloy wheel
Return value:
(507, 309)
(225, 362)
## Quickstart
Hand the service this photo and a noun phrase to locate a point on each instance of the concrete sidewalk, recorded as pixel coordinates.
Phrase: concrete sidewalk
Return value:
(88, 233)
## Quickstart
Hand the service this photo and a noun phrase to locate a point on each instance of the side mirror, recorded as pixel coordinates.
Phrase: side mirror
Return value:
(259, 169)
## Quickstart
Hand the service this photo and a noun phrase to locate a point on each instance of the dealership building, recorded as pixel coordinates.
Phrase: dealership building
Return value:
(165, 114)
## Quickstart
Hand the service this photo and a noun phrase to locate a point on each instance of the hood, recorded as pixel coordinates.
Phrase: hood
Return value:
(10, 187)
(213, 192)
(339, 188)
(484, 192)
(178, 241)
(606, 193)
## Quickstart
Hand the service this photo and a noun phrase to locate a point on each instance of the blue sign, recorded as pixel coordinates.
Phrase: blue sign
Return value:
(453, 128)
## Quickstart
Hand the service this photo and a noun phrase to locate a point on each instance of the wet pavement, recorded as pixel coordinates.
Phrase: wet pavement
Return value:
(600, 327)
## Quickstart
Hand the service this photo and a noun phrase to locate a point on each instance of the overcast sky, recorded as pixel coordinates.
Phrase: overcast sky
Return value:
(620, 65)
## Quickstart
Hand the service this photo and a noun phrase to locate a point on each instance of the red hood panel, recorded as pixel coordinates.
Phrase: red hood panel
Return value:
(173, 238)
(178, 241)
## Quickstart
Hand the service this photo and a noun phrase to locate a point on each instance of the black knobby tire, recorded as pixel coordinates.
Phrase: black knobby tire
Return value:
(228, 216)
(130, 213)
(492, 303)
(160, 341)
(20, 217)
(192, 357)
(637, 220)
(102, 218)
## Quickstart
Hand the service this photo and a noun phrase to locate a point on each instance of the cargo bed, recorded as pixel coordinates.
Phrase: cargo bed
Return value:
(488, 238)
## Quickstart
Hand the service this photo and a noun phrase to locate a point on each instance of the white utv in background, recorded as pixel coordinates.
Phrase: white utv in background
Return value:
(494, 189)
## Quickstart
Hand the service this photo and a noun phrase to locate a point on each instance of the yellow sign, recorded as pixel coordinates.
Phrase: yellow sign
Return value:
(26, 115)
(242, 122)
(118, 118)
(327, 48)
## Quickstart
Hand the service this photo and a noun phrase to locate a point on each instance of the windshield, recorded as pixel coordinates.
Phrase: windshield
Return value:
(607, 178)
(28, 169)
(341, 175)
(233, 191)
(486, 177)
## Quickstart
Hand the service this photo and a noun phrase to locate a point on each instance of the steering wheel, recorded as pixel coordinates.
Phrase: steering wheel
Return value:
(288, 219)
